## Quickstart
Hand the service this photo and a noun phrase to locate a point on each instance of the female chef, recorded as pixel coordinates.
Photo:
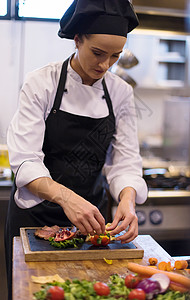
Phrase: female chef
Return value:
(75, 123)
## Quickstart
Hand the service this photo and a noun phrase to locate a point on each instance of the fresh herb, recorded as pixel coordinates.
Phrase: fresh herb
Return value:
(73, 243)
(173, 295)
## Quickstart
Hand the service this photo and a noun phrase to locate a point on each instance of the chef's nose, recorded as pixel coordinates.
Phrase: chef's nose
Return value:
(105, 64)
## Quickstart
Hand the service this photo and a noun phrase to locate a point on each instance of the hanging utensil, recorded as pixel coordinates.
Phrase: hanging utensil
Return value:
(123, 74)
(127, 59)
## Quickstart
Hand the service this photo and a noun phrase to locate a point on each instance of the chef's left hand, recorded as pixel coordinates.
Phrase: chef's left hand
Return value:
(126, 214)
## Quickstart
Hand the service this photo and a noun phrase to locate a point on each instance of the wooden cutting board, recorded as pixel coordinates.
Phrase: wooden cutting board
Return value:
(36, 249)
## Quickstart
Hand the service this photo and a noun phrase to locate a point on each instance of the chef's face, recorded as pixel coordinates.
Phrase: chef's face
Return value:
(95, 54)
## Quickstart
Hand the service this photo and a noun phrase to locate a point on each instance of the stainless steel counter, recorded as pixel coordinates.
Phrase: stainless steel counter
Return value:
(168, 194)
(5, 189)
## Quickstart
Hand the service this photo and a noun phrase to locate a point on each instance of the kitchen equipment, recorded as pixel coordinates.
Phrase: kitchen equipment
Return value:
(176, 131)
(40, 250)
(164, 181)
(123, 74)
(165, 214)
(127, 59)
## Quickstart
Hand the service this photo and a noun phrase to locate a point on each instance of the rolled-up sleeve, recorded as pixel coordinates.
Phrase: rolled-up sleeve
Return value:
(123, 167)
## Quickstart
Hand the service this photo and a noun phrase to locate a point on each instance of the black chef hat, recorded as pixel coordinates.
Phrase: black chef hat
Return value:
(116, 17)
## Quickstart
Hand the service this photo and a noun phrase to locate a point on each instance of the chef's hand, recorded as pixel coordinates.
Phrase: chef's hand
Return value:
(85, 216)
(126, 214)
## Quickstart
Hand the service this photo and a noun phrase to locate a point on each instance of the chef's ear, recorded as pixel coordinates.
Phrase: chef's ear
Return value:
(77, 40)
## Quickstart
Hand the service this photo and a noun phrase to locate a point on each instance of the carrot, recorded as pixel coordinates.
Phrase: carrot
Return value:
(162, 266)
(148, 271)
(153, 261)
(181, 264)
(178, 287)
(165, 266)
(169, 267)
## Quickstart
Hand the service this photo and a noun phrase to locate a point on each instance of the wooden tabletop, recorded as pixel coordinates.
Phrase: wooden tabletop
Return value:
(23, 287)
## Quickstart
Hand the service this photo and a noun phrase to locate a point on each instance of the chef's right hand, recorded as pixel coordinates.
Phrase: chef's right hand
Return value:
(84, 215)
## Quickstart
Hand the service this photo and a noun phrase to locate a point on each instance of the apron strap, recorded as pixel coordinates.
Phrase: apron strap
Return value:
(61, 86)
(61, 90)
(107, 97)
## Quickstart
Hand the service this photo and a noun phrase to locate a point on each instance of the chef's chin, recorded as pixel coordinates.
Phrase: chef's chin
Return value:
(97, 75)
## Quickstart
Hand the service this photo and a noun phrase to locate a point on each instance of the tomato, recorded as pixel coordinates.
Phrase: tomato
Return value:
(94, 240)
(137, 294)
(101, 289)
(55, 293)
(105, 240)
(131, 281)
(100, 240)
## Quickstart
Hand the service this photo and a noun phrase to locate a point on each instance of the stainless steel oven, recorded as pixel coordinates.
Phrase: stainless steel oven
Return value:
(166, 217)
(166, 213)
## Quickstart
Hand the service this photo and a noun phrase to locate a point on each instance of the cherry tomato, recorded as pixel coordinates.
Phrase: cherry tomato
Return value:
(105, 240)
(94, 239)
(137, 294)
(131, 281)
(55, 293)
(101, 289)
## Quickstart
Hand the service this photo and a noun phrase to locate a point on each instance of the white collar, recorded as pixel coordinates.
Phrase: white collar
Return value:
(76, 77)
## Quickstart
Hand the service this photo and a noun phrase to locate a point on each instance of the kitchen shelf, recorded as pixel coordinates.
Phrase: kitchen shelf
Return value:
(170, 59)
(171, 62)
(168, 193)
(171, 83)
(164, 60)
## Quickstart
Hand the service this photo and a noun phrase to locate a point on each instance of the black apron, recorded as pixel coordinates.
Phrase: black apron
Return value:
(75, 149)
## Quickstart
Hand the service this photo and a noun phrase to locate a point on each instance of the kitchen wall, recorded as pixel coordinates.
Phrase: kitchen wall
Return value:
(26, 45)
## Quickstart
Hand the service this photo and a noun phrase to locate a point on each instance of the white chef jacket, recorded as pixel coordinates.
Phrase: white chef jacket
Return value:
(123, 166)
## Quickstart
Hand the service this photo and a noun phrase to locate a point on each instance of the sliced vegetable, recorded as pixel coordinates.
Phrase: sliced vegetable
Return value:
(137, 294)
(169, 267)
(101, 289)
(131, 281)
(153, 261)
(181, 264)
(105, 240)
(163, 280)
(162, 266)
(100, 240)
(148, 271)
(108, 261)
(150, 286)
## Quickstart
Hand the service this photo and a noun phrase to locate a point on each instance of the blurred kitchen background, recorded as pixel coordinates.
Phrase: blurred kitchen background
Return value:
(156, 62)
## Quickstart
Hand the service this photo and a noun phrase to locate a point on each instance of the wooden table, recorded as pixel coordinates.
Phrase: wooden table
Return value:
(23, 288)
